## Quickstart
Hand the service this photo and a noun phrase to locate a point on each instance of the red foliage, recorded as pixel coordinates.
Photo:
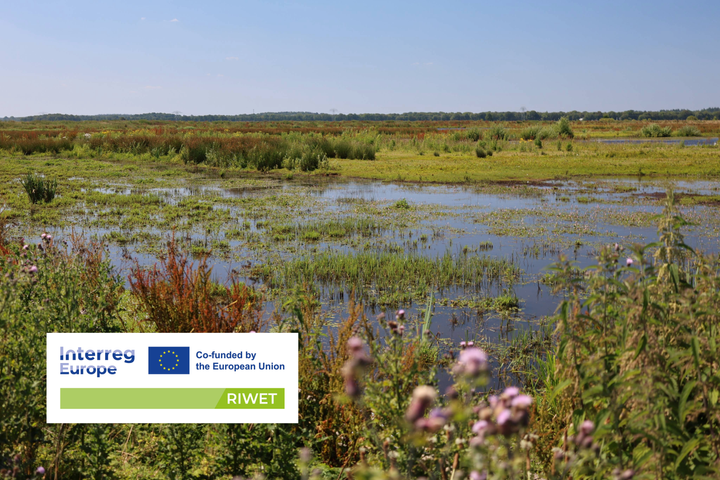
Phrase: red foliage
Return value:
(179, 298)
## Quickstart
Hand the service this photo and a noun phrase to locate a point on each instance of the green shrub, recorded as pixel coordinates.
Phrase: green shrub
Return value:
(688, 131)
(546, 133)
(472, 134)
(655, 130)
(496, 132)
(363, 151)
(480, 152)
(39, 189)
(563, 128)
(51, 290)
(637, 356)
(530, 133)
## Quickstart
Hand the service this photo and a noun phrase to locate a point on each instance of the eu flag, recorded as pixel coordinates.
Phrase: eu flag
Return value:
(169, 360)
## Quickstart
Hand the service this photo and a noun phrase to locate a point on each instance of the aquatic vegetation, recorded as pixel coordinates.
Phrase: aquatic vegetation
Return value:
(393, 276)
(39, 189)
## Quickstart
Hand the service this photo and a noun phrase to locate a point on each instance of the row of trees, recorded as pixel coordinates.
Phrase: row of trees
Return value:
(679, 114)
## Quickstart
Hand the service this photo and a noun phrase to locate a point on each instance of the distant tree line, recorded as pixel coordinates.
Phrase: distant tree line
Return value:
(679, 114)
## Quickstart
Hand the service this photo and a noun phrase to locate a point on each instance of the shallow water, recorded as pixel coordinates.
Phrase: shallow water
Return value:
(531, 226)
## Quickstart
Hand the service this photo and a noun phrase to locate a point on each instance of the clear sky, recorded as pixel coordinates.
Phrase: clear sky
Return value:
(231, 57)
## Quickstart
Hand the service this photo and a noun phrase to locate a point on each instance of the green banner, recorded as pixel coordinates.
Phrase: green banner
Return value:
(172, 398)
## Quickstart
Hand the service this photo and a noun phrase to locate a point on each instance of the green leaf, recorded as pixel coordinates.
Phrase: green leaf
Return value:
(641, 346)
(689, 445)
(682, 410)
(695, 343)
(558, 388)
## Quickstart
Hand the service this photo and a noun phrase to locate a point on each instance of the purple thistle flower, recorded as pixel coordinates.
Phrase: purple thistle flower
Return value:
(629, 262)
(473, 361)
(522, 401)
(40, 471)
(587, 427)
(504, 417)
(511, 392)
(354, 344)
(33, 269)
(480, 426)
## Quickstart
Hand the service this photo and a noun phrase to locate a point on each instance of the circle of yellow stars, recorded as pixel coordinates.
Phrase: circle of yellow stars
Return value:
(177, 360)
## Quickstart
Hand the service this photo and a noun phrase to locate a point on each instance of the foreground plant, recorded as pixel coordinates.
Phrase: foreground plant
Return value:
(638, 357)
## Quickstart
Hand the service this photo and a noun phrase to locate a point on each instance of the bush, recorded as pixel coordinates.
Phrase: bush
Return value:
(655, 130)
(179, 298)
(480, 152)
(473, 134)
(530, 133)
(637, 356)
(497, 132)
(688, 131)
(45, 289)
(563, 128)
(39, 189)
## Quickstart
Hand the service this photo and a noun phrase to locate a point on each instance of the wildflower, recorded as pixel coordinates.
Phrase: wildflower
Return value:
(480, 427)
(25, 247)
(305, 455)
(472, 362)
(32, 269)
(522, 401)
(354, 366)
(617, 247)
(625, 475)
(629, 262)
(475, 475)
(511, 392)
(463, 345)
(354, 345)
(506, 424)
(587, 427)
(435, 421)
(423, 397)
(400, 314)
(40, 471)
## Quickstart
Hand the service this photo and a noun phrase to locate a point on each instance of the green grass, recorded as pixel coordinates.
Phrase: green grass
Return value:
(387, 277)
(585, 160)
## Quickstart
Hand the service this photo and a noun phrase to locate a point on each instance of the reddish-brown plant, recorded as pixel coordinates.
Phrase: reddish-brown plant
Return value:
(180, 298)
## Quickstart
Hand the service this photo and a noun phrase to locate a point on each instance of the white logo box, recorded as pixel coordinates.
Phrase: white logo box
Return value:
(172, 378)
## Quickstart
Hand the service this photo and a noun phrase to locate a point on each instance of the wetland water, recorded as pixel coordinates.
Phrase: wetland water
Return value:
(284, 233)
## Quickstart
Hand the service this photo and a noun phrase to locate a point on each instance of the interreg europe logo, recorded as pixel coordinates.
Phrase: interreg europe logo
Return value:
(168, 360)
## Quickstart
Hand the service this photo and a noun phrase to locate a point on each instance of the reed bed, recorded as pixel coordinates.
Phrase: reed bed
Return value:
(390, 273)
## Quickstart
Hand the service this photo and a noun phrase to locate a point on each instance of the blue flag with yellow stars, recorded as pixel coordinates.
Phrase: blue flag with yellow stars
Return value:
(168, 360)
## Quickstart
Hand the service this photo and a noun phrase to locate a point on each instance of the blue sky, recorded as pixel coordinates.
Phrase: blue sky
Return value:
(228, 57)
